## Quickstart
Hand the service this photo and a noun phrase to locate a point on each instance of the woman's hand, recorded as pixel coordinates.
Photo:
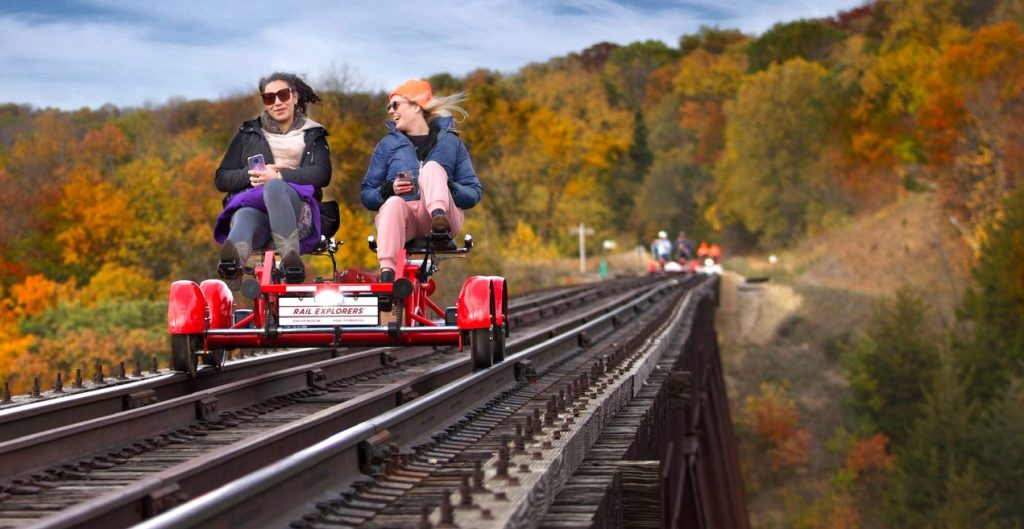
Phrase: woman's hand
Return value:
(403, 186)
(259, 178)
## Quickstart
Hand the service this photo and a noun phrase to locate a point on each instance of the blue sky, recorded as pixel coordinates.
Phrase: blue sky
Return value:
(75, 53)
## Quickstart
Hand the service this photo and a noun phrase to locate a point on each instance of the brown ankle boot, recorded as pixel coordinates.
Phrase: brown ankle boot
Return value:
(439, 221)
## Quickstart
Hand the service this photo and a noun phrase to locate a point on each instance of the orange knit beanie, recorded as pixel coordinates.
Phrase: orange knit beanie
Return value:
(414, 90)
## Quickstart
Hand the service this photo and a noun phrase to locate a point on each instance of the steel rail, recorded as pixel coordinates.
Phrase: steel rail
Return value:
(34, 417)
(277, 493)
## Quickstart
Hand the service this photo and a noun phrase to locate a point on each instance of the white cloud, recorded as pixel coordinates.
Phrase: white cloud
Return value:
(131, 53)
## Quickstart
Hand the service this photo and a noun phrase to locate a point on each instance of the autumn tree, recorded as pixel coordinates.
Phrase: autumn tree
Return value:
(774, 177)
(627, 74)
(570, 136)
(774, 418)
(890, 89)
(30, 187)
(686, 136)
(973, 120)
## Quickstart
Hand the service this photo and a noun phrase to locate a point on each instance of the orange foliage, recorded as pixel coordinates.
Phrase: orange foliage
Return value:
(660, 83)
(79, 350)
(12, 342)
(195, 184)
(775, 420)
(95, 211)
(988, 71)
(104, 146)
(792, 450)
(34, 295)
(711, 142)
(869, 455)
(973, 122)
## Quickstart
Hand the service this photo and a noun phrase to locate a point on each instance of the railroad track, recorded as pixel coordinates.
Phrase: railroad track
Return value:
(583, 378)
(26, 415)
(121, 466)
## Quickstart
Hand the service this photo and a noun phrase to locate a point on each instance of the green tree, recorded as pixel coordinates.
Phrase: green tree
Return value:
(995, 303)
(630, 67)
(935, 479)
(711, 39)
(1001, 451)
(893, 364)
(812, 40)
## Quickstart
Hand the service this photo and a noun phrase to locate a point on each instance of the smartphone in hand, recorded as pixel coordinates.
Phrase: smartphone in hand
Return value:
(406, 176)
(256, 162)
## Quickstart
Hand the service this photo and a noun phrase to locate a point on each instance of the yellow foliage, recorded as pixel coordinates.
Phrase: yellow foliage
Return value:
(703, 75)
(712, 218)
(525, 246)
(112, 282)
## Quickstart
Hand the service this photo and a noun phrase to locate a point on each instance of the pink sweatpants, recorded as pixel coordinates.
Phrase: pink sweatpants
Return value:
(399, 221)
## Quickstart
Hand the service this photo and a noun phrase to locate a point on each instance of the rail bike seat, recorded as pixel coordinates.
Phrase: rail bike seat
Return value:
(438, 242)
(435, 244)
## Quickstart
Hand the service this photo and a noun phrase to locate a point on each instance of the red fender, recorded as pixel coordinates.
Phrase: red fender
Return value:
(500, 286)
(474, 305)
(221, 303)
(186, 309)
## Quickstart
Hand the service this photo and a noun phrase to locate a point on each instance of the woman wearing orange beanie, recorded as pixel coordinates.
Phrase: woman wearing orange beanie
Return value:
(420, 178)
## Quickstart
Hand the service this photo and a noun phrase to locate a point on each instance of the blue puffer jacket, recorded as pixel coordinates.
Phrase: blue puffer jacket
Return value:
(396, 153)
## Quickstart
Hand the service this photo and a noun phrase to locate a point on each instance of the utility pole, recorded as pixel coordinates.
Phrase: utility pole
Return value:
(583, 249)
(583, 232)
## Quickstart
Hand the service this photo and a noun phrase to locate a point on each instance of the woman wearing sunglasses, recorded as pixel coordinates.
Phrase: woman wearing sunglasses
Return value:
(276, 198)
(420, 178)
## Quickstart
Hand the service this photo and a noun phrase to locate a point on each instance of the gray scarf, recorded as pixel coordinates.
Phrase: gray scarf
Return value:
(273, 127)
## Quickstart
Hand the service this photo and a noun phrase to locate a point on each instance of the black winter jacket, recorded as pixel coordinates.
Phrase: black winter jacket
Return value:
(233, 173)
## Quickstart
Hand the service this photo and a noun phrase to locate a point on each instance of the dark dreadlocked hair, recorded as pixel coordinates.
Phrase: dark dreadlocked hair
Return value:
(305, 94)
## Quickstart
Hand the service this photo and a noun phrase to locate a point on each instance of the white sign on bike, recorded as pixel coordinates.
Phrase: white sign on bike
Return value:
(334, 310)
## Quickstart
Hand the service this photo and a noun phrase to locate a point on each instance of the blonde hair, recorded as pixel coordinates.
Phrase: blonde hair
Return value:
(445, 106)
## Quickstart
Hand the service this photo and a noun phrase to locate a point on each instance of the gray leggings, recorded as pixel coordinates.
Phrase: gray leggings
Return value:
(254, 226)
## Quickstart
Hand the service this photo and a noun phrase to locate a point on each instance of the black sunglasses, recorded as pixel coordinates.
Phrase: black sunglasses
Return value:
(283, 94)
(392, 106)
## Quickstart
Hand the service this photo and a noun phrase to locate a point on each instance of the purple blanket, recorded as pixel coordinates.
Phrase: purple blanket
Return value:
(253, 198)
